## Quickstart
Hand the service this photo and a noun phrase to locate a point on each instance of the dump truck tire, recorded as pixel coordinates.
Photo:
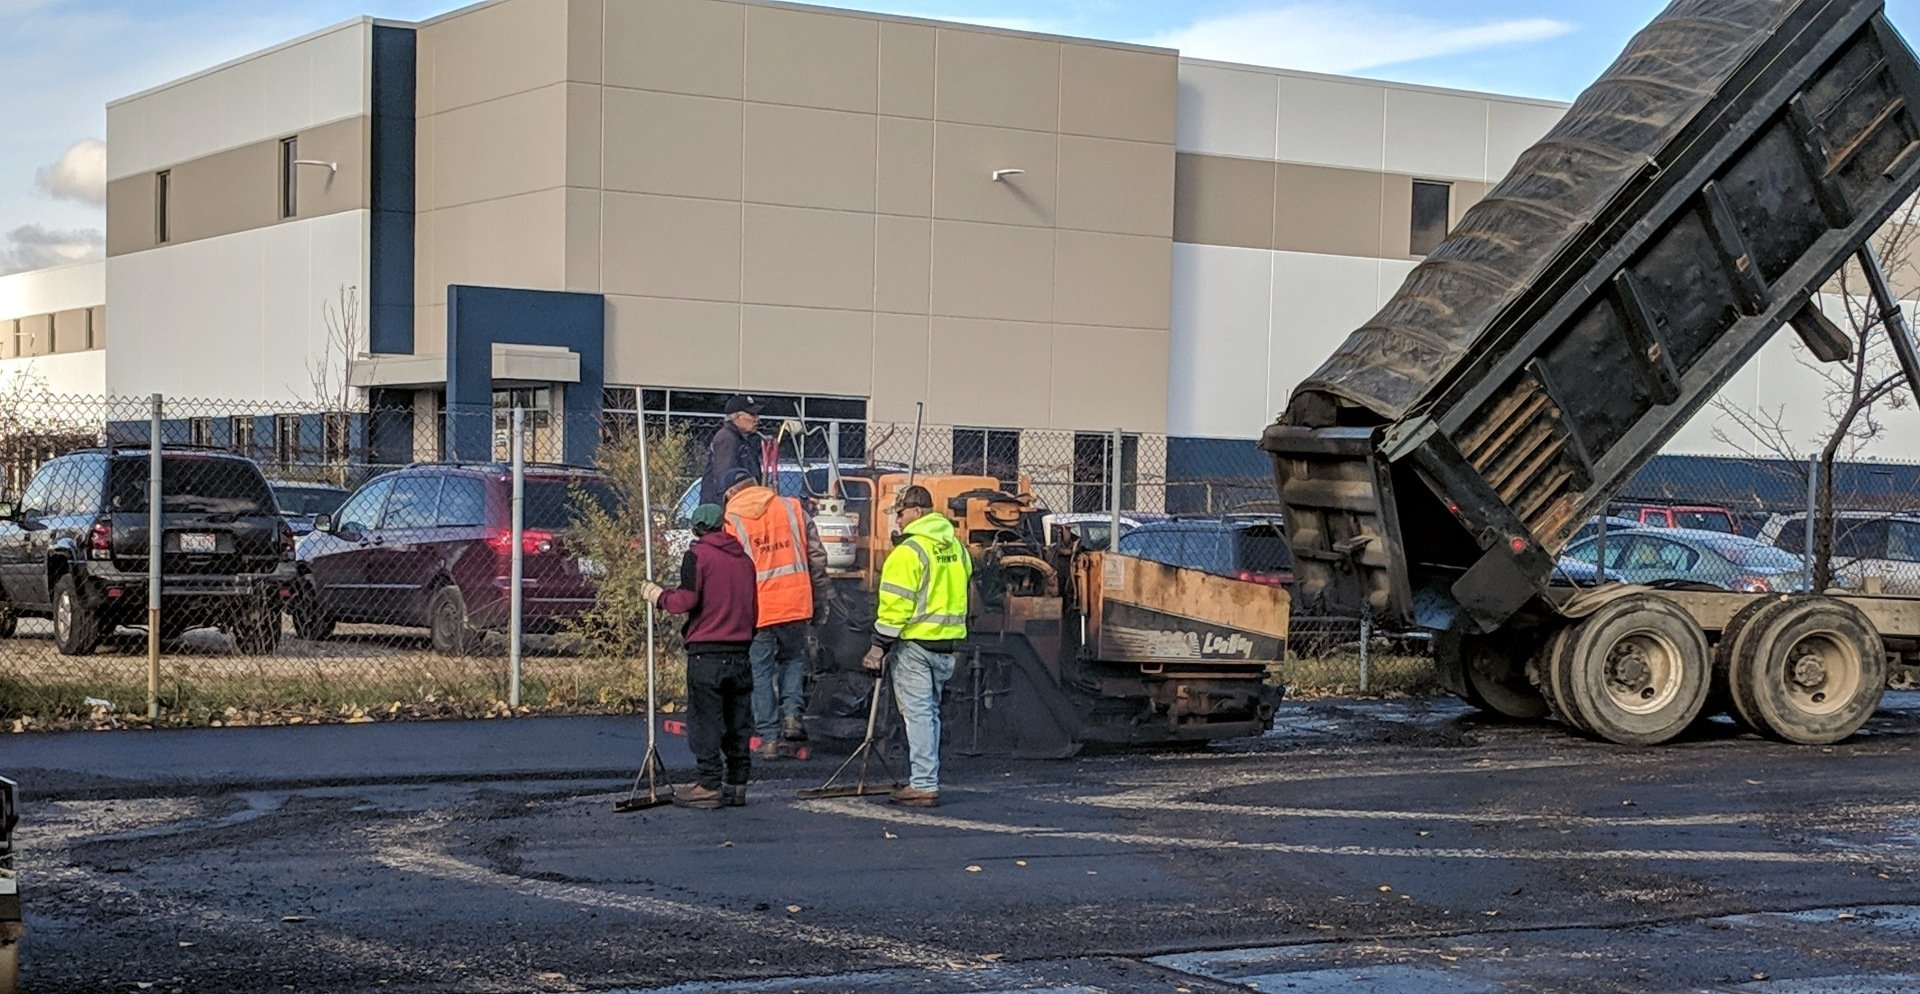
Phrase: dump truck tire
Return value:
(1734, 638)
(1635, 672)
(1489, 671)
(1809, 670)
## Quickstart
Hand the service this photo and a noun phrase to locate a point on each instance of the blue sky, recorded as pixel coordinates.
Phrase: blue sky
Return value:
(65, 59)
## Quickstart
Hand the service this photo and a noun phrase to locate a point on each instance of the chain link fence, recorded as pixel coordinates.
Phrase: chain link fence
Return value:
(328, 565)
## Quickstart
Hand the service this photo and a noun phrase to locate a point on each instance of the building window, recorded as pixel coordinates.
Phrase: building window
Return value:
(242, 429)
(162, 191)
(1092, 471)
(286, 439)
(1432, 207)
(199, 431)
(337, 438)
(991, 452)
(541, 442)
(619, 414)
(289, 177)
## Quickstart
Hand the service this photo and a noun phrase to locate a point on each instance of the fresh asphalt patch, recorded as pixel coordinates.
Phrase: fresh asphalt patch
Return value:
(1452, 855)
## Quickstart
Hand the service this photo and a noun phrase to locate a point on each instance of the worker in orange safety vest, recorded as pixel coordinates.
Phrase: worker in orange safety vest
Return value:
(790, 572)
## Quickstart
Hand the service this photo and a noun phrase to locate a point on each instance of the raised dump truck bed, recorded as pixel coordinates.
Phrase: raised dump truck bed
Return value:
(1690, 204)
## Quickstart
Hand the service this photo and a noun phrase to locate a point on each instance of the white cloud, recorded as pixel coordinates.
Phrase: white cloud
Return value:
(79, 174)
(31, 246)
(1345, 38)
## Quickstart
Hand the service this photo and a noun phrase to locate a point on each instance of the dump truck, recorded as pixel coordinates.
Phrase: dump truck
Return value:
(10, 920)
(1692, 202)
(1066, 647)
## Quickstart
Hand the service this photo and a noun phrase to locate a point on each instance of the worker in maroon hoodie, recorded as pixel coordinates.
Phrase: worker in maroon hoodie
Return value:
(716, 593)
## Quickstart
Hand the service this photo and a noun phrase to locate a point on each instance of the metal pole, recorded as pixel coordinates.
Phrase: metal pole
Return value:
(1113, 533)
(833, 459)
(154, 530)
(517, 446)
(1600, 551)
(1366, 650)
(1813, 509)
(646, 545)
(913, 461)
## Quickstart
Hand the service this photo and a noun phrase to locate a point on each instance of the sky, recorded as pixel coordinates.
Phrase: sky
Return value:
(65, 59)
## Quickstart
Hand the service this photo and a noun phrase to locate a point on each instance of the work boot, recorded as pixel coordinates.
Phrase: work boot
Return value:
(696, 796)
(792, 730)
(913, 797)
(767, 749)
(736, 795)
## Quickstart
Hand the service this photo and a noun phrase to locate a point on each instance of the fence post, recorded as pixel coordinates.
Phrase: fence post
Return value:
(1366, 650)
(154, 529)
(516, 446)
(1113, 533)
(1813, 509)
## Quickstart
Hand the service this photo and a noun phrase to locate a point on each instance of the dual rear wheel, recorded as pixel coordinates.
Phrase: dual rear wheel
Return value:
(1639, 670)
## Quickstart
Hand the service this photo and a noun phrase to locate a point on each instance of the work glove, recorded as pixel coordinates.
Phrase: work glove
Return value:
(651, 591)
(875, 660)
(823, 606)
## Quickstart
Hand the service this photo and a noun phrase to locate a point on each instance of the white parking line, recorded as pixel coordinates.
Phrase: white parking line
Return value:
(874, 812)
(405, 851)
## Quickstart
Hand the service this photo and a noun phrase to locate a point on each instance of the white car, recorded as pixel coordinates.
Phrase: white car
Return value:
(1871, 549)
(1092, 527)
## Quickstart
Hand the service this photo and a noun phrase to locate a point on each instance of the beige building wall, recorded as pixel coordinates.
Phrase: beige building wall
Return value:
(801, 200)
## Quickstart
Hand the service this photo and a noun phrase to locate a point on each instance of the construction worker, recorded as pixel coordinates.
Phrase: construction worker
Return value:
(790, 567)
(735, 445)
(716, 593)
(921, 618)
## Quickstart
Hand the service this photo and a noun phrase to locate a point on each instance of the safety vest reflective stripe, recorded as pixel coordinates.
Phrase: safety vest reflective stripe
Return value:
(899, 591)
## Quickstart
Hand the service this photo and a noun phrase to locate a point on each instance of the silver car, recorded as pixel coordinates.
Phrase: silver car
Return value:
(1688, 555)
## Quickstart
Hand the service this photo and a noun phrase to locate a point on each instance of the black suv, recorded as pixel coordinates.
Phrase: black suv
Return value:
(430, 546)
(74, 548)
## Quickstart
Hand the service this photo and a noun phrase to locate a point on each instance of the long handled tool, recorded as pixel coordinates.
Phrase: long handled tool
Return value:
(865, 751)
(652, 771)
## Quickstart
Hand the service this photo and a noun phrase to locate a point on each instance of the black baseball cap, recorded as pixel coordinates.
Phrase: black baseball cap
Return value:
(741, 403)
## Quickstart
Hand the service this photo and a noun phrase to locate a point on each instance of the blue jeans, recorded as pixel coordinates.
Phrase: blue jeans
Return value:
(918, 676)
(779, 655)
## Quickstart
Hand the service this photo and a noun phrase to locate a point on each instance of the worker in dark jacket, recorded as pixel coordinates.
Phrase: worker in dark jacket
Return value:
(735, 445)
(716, 593)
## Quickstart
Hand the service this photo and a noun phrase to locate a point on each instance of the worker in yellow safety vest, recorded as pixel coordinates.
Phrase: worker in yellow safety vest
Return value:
(919, 622)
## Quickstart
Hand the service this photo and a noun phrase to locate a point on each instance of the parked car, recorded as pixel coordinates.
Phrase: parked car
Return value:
(1701, 517)
(1878, 548)
(1252, 549)
(300, 502)
(1693, 555)
(1091, 528)
(430, 546)
(1592, 527)
(74, 548)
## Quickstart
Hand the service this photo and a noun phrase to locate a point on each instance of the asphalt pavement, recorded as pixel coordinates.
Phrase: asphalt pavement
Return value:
(1390, 847)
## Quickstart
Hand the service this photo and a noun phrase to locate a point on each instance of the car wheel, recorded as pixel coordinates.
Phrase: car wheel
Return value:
(256, 632)
(75, 628)
(453, 634)
(310, 619)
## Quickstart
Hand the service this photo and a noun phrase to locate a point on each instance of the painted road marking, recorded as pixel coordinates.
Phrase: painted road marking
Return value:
(408, 851)
(1167, 800)
(854, 808)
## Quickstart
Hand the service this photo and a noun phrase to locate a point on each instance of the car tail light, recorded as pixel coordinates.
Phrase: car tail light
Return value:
(1264, 579)
(532, 542)
(100, 540)
(1753, 585)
